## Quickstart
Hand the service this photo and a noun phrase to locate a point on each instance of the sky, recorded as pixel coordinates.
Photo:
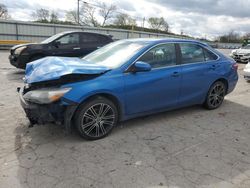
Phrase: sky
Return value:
(198, 18)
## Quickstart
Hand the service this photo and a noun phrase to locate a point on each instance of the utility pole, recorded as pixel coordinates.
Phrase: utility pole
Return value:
(78, 12)
(143, 21)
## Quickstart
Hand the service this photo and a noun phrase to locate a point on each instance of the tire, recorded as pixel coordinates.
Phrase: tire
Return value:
(96, 118)
(215, 95)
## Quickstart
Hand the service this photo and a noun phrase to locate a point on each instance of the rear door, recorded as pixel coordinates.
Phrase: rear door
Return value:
(89, 43)
(156, 89)
(67, 45)
(199, 69)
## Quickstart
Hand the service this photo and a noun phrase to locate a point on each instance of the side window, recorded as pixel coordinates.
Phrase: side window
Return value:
(69, 39)
(191, 53)
(88, 38)
(209, 56)
(161, 56)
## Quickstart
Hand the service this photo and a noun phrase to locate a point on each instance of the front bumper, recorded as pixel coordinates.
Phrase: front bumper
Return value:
(240, 58)
(58, 112)
(246, 73)
(18, 61)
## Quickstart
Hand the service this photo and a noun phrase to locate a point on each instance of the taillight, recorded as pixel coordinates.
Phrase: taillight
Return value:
(235, 66)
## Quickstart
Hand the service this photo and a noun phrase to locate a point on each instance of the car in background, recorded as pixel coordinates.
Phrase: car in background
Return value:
(67, 44)
(242, 54)
(124, 80)
(246, 72)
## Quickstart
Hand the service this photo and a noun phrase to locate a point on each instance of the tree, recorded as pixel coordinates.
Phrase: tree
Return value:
(124, 19)
(106, 12)
(71, 16)
(158, 23)
(4, 12)
(53, 17)
(230, 37)
(41, 15)
(89, 15)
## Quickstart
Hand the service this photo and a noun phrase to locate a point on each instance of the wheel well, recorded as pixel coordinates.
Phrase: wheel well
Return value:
(111, 98)
(35, 55)
(224, 81)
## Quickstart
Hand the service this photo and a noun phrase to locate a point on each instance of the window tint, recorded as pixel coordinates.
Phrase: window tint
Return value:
(191, 53)
(69, 39)
(88, 38)
(161, 56)
(209, 56)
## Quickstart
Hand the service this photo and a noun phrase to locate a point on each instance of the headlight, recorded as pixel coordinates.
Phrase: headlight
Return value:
(45, 96)
(19, 50)
(247, 54)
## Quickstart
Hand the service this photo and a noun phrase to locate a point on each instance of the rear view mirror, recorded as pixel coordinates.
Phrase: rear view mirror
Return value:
(141, 66)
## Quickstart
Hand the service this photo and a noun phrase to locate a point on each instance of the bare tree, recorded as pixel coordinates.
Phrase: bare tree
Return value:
(71, 16)
(4, 12)
(89, 15)
(158, 23)
(53, 17)
(41, 15)
(124, 19)
(106, 12)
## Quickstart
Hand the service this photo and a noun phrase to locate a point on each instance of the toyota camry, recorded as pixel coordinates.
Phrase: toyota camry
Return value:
(124, 80)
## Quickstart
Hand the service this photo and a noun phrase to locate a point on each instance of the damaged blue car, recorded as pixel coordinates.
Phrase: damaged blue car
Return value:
(124, 80)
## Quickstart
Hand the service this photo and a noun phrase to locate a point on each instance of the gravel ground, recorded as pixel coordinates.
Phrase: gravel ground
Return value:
(190, 147)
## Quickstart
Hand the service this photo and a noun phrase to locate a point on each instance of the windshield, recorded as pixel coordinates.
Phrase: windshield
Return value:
(50, 39)
(246, 47)
(116, 53)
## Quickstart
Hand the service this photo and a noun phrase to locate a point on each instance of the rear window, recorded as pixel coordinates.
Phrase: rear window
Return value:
(88, 38)
(193, 53)
(209, 56)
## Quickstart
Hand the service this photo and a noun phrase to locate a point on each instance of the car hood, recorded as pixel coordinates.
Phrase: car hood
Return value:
(53, 68)
(21, 45)
(243, 51)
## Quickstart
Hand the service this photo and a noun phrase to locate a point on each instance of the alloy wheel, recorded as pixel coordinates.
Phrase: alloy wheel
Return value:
(98, 120)
(216, 95)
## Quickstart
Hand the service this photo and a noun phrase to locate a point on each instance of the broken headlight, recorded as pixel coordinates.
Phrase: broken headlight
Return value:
(45, 96)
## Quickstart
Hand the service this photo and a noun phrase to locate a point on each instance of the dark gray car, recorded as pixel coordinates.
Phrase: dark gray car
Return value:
(67, 44)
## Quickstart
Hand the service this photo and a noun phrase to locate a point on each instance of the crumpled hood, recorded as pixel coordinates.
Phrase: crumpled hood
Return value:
(52, 68)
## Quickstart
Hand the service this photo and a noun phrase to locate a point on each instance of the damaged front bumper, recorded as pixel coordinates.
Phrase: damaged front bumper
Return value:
(61, 111)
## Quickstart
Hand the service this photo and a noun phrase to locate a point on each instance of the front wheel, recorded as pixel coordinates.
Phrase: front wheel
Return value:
(215, 95)
(96, 118)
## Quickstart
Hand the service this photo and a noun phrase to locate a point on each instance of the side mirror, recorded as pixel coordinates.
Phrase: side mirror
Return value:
(57, 43)
(141, 66)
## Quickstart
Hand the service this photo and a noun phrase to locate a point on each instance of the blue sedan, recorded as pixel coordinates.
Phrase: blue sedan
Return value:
(124, 80)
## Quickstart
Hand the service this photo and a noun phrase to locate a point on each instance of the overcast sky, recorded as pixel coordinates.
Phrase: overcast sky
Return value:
(199, 18)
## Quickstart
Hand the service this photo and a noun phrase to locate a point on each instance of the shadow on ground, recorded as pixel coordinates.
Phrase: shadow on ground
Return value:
(190, 147)
(15, 75)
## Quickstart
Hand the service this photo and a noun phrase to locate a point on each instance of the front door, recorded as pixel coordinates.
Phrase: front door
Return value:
(156, 89)
(67, 45)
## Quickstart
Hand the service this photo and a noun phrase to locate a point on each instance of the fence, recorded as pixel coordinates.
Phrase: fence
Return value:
(36, 32)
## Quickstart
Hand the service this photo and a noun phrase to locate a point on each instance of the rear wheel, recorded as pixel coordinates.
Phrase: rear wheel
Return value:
(215, 95)
(96, 118)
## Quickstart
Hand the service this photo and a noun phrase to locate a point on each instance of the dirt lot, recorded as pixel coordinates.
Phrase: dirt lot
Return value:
(191, 147)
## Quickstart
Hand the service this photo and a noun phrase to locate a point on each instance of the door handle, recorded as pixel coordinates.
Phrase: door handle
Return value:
(76, 48)
(175, 74)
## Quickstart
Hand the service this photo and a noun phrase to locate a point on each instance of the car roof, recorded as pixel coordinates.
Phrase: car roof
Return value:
(163, 40)
(67, 32)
